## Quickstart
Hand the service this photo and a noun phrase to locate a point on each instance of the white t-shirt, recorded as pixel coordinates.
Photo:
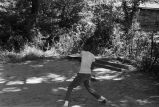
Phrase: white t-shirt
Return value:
(86, 61)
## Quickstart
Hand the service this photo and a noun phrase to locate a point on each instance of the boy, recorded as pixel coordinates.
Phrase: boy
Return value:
(84, 76)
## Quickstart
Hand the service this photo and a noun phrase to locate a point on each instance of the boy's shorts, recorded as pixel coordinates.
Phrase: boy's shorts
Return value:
(80, 78)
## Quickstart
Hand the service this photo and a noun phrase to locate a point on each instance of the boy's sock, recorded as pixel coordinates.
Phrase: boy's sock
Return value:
(66, 104)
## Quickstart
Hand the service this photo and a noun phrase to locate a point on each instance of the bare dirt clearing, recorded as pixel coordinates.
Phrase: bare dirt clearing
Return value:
(43, 83)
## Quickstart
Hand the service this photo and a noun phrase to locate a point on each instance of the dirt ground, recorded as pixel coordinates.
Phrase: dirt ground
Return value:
(43, 83)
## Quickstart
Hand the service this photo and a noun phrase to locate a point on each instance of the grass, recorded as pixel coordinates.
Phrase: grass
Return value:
(29, 53)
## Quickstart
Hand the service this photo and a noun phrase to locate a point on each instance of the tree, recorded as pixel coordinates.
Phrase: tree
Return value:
(69, 11)
(103, 15)
(129, 8)
(35, 6)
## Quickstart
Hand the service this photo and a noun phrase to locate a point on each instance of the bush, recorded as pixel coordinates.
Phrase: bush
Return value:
(150, 60)
(19, 26)
(29, 53)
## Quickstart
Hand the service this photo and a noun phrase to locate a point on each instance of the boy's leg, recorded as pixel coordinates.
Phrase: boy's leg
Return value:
(91, 90)
(94, 93)
(72, 85)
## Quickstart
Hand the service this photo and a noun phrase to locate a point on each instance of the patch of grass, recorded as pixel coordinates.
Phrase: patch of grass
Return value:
(29, 53)
(7, 56)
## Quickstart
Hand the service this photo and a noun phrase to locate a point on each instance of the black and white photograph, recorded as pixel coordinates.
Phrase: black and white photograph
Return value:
(79, 53)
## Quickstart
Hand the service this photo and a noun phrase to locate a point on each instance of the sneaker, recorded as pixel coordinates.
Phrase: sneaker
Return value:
(102, 100)
(66, 104)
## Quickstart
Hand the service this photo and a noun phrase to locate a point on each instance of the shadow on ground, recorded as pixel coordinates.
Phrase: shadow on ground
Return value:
(43, 83)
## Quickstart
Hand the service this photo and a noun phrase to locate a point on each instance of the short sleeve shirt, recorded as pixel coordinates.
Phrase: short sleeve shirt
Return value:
(86, 61)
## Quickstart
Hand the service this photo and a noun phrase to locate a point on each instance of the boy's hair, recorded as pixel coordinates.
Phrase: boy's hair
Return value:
(86, 47)
(89, 46)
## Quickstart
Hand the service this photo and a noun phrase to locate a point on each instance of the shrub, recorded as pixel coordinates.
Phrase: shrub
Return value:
(29, 53)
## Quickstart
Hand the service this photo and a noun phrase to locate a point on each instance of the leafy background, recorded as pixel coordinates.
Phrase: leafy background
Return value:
(31, 29)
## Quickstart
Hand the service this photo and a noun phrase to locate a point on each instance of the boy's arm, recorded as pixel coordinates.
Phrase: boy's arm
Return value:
(98, 57)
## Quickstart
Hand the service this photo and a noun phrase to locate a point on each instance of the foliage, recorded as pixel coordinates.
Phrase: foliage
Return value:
(51, 27)
(14, 29)
(103, 20)
(29, 53)
(20, 27)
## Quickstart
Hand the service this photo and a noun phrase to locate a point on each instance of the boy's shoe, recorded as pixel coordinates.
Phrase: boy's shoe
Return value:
(66, 104)
(109, 103)
(102, 100)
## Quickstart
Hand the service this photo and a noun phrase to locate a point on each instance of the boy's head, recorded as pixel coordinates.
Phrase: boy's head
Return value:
(87, 47)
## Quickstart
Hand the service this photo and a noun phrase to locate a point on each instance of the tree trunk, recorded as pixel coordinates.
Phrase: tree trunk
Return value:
(129, 13)
(35, 6)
